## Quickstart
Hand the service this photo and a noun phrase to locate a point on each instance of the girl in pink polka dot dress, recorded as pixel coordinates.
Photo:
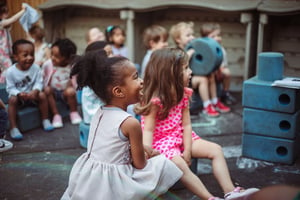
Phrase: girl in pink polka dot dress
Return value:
(167, 126)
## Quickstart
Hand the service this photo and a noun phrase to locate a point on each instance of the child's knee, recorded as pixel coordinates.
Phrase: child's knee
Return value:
(70, 92)
(13, 100)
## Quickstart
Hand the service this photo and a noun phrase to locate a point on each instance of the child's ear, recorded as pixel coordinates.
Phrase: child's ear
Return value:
(117, 92)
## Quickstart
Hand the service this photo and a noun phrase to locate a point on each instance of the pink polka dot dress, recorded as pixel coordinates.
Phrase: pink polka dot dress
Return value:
(168, 133)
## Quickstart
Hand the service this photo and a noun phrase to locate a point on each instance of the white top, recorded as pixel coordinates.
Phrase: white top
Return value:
(145, 62)
(105, 171)
(23, 81)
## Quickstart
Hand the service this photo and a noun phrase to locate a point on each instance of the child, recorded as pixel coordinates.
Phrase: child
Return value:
(223, 74)
(182, 33)
(5, 145)
(94, 34)
(57, 81)
(5, 38)
(115, 35)
(90, 101)
(41, 49)
(155, 37)
(167, 126)
(24, 84)
(115, 165)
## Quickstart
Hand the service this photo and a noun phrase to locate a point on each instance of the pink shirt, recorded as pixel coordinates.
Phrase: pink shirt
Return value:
(168, 133)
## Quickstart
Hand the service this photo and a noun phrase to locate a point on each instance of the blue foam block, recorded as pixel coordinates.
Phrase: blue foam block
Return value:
(28, 118)
(84, 130)
(270, 66)
(63, 108)
(79, 96)
(262, 95)
(269, 148)
(272, 124)
(3, 93)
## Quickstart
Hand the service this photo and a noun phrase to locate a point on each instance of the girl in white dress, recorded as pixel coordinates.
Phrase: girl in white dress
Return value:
(116, 164)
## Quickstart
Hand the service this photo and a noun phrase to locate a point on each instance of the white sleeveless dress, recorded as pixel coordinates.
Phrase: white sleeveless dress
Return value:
(105, 171)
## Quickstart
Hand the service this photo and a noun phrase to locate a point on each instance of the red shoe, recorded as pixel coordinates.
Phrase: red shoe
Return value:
(221, 107)
(210, 111)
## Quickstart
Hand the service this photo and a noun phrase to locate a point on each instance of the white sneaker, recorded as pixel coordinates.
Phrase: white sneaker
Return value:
(240, 194)
(5, 145)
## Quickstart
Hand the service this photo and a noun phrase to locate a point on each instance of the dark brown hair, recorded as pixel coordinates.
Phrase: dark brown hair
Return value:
(155, 33)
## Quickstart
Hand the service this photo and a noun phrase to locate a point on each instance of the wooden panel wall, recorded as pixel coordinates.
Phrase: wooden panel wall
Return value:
(14, 6)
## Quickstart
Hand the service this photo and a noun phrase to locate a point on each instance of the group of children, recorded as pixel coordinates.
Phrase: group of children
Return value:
(122, 151)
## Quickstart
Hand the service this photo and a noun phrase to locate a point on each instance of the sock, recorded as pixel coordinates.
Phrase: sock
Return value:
(214, 100)
(47, 125)
(206, 103)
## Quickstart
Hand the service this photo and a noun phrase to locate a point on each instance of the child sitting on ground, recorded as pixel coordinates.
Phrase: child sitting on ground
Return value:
(222, 75)
(167, 126)
(155, 37)
(24, 84)
(57, 81)
(182, 33)
(116, 165)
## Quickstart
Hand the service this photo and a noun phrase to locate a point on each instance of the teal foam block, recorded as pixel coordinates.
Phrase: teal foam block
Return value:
(262, 95)
(3, 93)
(79, 96)
(63, 108)
(270, 149)
(84, 130)
(270, 66)
(272, 124)
(28, 118)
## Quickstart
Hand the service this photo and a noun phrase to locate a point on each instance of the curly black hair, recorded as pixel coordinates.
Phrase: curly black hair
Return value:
(99, 72)
(67, 47)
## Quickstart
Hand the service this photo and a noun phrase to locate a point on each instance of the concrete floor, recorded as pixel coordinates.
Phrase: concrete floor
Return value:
(38, 167)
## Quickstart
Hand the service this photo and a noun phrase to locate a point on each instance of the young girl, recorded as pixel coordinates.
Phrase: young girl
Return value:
(57, 82)
(115, 165)
(167, 126)
(5, 39)
(115, 35)
(41, 49)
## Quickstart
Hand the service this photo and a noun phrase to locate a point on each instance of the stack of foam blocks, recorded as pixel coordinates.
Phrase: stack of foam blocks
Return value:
(271, 115)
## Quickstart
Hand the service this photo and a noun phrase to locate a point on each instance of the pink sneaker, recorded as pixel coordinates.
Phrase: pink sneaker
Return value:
(57, 121)
(75, 117)
(240, 194)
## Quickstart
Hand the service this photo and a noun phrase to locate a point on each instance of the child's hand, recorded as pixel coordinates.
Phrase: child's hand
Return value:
(187, 157)
(149, 152)
(23, 6)
(33, 95)
(190, 52)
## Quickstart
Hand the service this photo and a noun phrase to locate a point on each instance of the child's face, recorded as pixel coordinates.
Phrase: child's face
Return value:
(185, 37)
(216, 35)
(24, 56)
(133, 84)
(118, 38)
(57, 58)
(158, 45)
(187, 74)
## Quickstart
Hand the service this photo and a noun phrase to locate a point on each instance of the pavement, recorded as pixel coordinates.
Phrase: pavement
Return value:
(38, 167)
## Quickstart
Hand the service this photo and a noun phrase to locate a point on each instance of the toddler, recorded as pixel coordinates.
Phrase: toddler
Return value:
(115, 165)
(57, 81)
(213, 30)
(155, 37)
(41, 49)
(167, 126)
(182, 33)
(115, 35)
(24, 84)
(94, 34)
(5, 38)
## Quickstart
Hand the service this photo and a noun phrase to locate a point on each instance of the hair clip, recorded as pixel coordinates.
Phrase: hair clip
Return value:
(109, 28)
